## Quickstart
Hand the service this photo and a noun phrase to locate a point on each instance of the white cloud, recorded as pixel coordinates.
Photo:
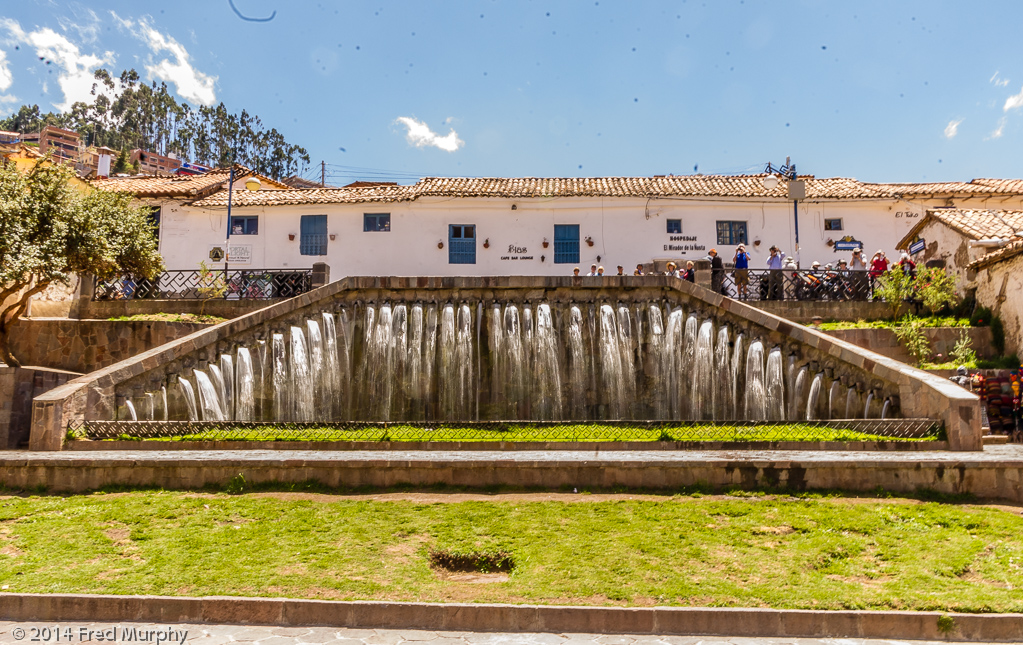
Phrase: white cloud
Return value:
(420, 135)
(1013, 102)
(75, 78)
(6, 78)
(176, 70)
(997, 132)
(952, 128)
(999, 82)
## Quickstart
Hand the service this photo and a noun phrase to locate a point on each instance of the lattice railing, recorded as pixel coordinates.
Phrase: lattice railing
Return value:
(194, 284)
(767, 284)
(516, 431)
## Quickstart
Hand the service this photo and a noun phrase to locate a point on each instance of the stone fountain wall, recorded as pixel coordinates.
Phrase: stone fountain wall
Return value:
(914, 393)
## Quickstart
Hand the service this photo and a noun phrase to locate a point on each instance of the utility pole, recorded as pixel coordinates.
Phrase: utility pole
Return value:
(323, 174)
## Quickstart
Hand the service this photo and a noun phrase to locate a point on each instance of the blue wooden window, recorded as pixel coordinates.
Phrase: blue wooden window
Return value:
(245, 225)
(314, 235)
(566, 244)
(731, 233)
(675, 226)
(376, 221)
(462, 244)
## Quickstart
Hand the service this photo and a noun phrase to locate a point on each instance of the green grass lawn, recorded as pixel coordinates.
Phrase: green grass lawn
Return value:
(749, 551)
(522, 433)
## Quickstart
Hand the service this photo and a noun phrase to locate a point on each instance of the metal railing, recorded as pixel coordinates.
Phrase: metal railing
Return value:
(782, 284)
(516, 431)
(194, 284)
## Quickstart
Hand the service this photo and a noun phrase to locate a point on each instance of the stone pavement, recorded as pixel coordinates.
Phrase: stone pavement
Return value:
(217, 634)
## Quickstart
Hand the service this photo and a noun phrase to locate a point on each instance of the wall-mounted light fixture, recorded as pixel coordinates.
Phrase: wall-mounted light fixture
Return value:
(598, 258)
(543, 257)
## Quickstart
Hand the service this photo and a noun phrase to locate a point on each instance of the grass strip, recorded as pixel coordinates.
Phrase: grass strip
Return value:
(528, 433)
(753, 551)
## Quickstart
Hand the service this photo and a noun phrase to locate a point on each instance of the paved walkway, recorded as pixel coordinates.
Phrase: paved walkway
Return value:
(217, 634)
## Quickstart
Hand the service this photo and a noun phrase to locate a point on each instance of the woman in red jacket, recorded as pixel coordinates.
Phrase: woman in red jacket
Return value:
(878, 265)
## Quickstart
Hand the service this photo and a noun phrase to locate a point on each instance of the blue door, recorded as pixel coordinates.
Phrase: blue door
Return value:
(566, 244)
(314, 235)
(462, 244)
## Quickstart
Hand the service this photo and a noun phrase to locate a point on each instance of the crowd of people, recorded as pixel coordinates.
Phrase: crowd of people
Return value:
(851, 279)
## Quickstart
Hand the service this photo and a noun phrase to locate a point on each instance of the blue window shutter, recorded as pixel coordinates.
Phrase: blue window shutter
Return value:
(566, 244)
(461, 244)
(314, 235)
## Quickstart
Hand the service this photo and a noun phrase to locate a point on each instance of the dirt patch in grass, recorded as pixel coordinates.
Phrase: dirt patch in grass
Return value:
(472, 578)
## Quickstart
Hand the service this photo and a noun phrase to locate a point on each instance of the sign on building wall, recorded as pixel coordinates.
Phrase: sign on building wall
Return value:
(237, 253)
(917, 246)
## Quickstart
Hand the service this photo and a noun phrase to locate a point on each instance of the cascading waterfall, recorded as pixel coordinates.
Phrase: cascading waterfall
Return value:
(613, 381)
(209, 402)
(245, 387)
(129, 409)
(797, 400)
(702, 384)
(282, 392)
(217, 377)
(724, 407)
(505, 361)
(755, 404)
(189, 395)
(775, 386)
(576, 365)
(834, 396)
(813, 400)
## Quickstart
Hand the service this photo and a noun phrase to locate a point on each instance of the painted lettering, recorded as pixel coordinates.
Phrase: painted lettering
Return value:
(517, 249)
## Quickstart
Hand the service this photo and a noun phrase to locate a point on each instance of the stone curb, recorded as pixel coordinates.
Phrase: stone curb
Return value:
(84, 445)
(514, 618)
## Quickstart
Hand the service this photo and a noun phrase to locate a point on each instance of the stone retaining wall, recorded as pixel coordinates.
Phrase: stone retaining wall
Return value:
(917, 393)
(103, 309)
(88, 345)
(941, 340)
(18, 386)
(804, 311)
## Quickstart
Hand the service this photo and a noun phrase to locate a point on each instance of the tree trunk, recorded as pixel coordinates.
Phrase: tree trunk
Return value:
(5, 350)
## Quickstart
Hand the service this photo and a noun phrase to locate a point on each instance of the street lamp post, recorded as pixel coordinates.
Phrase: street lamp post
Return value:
(796, 188)
(252, 184)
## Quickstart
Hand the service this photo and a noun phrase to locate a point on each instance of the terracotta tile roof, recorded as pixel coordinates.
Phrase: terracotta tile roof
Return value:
(973, 224)
(737, 186)
(1008, 251)
(372, 194)
(185, 186)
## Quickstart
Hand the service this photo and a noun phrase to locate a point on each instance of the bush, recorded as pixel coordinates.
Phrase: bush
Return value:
(894, 287)
(998, 335)
(910, 333)
(963, 353)
(936, 288)
(981, 317)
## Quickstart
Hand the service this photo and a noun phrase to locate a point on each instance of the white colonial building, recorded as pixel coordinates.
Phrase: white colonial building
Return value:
(538, 226)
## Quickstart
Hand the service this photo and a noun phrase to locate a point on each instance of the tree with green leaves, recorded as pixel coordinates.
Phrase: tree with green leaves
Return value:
(936, 288)
(50, 231)
(895, 287)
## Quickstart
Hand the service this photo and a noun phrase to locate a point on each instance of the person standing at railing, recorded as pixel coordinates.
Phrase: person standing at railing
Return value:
(717, 272)
(859, 275)
(741, 273)
(639, 270)
(690, 273)
(878, 265)
(775, 279)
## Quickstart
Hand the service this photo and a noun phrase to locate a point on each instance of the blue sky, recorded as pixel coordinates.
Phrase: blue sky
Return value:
(880, 91)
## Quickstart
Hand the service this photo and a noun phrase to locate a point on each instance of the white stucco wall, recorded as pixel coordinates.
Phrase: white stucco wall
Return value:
(989, 286)
(625, 231)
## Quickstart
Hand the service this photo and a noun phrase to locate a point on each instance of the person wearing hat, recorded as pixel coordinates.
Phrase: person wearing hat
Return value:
(858, 268)
(672, 270)
(776, 279)
(593, 271)
(575, 272)
(741, 273)
(621, 270)
(878, 265)
(600, 271)
(717, 272)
